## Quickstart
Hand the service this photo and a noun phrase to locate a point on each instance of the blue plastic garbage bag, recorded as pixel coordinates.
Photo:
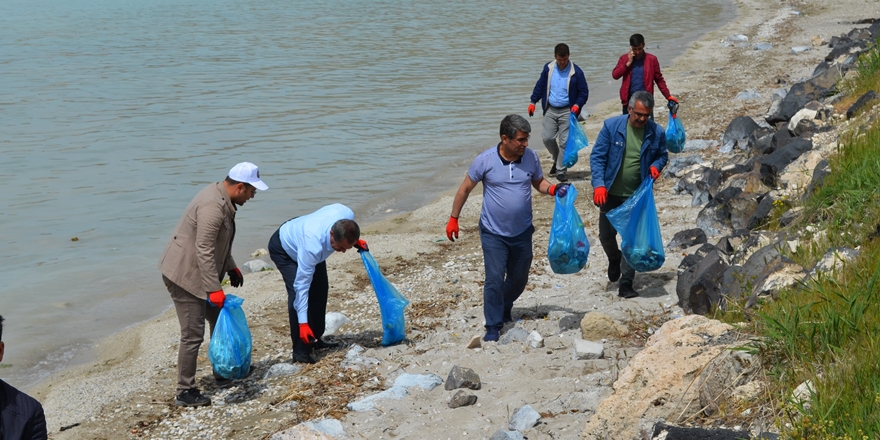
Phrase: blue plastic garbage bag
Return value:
(568, 248)
(230, 349)
(675, 135)
(636, 221)
(391, 302)
(577, 140)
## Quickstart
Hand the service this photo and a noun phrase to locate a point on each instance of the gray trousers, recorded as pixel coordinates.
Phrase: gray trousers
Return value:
(191, 313)
(554, 133)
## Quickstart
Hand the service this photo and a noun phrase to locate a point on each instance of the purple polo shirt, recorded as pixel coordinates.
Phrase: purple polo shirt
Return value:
(507, 190)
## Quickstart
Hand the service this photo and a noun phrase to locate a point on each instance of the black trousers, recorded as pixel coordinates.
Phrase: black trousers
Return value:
(608, 238)
(317, 294)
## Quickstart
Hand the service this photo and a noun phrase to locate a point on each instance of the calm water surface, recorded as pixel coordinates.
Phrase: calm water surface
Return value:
(114, 114)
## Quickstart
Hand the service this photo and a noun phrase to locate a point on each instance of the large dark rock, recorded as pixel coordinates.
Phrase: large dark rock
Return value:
(781, 138)
(730, 243)
(731, 369)
(822, 170)
(761, 141)
(846, 48)
(813, 89)
(751, 182)
(741, 209)
(762, 214)
(678, 163)
(669, 432)
(777, 274)
(462, 377)
(715, 216)
(805, 128)
(687, 238)
(693, 259)
(861, 103)
(698, 183)
(738, 132)
(698, 288)
(775, 162)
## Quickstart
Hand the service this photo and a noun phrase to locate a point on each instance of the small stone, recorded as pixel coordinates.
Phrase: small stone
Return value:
(523, 418)
(259, 253)
(462, 377)
(513, 335)
(281, 369)
(474, 343)
(535, 339)
(253, 266)
(587, 349)
(460, 398)
(507, 435)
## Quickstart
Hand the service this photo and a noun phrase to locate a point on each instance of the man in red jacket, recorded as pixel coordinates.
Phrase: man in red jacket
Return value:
(639, 70)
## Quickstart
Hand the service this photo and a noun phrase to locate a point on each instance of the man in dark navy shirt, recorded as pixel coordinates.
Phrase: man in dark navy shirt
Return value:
(21, 416)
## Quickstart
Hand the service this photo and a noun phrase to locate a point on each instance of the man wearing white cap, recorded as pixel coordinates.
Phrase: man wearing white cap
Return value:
(194, 262)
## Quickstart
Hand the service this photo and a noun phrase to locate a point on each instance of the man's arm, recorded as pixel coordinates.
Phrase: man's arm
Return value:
(305, 272)
(540, 86)
(583, 90)
(621, 68)
(658, 78)
(461, 195)
(37, 429)
(599, 156)
(542, 185)
(210, 219)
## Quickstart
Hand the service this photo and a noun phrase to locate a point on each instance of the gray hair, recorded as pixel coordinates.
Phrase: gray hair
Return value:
(644, 97)
(513, 123)
(346, 230)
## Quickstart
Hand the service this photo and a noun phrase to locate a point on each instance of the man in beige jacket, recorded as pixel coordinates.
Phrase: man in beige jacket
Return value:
(194, 262)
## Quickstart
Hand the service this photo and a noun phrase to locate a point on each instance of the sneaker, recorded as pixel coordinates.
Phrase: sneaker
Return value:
(322, 344)
(191, 397)
(626, 291)
(561, 175)
(614, 270)
(492, 334)
(304, 358)
(553, 170)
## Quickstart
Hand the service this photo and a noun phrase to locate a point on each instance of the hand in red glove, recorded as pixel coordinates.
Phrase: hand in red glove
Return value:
(361, 246)
(654, 173)
(532, 109)
(558, 190)
(673, 99)
(235, 278)
(575, 108)
(452, 228)
(305, 333)
(217, 298)
(600, 196)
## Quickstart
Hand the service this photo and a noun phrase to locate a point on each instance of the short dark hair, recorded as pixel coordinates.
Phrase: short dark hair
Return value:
(513, 123)
(231, 181)
(347, 230)
(636, 40)
(561, 49)
(644, 97)
(1, 329)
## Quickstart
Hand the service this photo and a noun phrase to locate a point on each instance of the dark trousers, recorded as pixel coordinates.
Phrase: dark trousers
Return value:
(317, 294)
(507, 261)
(192, 312)
(608, 238)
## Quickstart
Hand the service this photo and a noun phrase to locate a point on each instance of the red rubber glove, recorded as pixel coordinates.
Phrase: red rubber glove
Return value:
(532, 109)
(600, 195)
(558, 190)
(217, 298)
(654, 173)
(673, 99)
(452, 228)
(305, 333)
(361, 246)
(235, 278)
(575, 108)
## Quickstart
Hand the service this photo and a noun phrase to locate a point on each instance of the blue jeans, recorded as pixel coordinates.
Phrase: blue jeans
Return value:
(507, 261)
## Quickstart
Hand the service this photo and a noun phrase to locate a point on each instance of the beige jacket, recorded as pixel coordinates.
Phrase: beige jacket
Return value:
(199, 252)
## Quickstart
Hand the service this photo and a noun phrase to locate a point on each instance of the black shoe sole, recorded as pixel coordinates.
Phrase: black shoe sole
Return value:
(190, 405)
(627, 293)
(304, 359)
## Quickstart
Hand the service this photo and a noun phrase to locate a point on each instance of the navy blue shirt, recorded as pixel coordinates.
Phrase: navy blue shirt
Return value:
(637, 76)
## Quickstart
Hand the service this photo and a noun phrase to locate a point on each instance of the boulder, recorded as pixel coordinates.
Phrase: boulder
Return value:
(694, 258)
(751, 243)
(813, 89)
(795, 177)
(658, 382)
(730, 243)
(748, 182)
(774, 163)
(775, 102)
(805, 128)
(687, 238)
(833, 260)
(781, 138)
(698, 288)
(737, 133)
(780, 273)
(822, 170)
(678, 164)
(698, 184)
(762, 214)
(789, 216)
(761, 141)
(715, 216)
(861, 103)
(596, 326)
(844, 49)
(802, 114)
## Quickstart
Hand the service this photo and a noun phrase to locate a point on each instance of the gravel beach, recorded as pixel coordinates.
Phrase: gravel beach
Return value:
(129, 391)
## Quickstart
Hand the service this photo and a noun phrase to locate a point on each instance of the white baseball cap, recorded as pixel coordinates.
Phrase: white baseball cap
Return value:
(248, 173)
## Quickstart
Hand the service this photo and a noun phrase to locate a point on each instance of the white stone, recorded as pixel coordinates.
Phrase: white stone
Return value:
(587, 349)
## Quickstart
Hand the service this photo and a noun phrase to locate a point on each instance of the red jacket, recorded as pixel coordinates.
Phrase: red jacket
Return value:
(652, 75)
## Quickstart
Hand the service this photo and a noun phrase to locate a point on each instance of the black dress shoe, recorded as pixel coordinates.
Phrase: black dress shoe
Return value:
(304, 358)
(322, 344)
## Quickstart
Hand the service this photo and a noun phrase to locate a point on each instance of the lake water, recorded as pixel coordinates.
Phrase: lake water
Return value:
(114, 114)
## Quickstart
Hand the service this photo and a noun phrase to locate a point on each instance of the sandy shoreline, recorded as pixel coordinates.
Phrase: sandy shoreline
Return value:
(134, 374)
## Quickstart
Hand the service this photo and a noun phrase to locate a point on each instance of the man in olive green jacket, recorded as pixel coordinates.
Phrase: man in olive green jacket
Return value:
(194, 262)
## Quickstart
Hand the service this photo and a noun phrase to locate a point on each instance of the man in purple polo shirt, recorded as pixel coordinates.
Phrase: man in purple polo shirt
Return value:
(508, 171)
